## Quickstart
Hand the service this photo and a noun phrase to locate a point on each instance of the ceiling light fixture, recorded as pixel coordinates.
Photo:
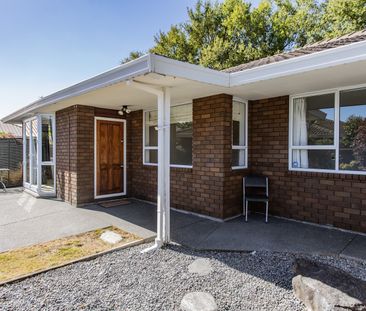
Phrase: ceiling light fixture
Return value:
(124, 110)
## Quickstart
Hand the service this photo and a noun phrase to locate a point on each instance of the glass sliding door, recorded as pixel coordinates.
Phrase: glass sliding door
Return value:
(47, 174)
(34, 156)
(39, 154)
(26, 144)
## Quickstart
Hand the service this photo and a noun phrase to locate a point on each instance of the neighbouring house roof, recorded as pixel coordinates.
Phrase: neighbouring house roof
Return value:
(306, 50)
(10, 130)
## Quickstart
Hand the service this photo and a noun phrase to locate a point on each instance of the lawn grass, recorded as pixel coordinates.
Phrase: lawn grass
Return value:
(26, 260)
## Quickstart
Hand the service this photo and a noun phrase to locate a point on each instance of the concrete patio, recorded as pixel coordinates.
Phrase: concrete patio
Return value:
(26, 220)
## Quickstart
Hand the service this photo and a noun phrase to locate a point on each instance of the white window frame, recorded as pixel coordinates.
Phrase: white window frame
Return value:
(38, 187)
(241, 147)
(144, 147)
(335, 146)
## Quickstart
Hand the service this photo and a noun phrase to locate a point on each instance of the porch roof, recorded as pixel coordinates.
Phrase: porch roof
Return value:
(328, 68)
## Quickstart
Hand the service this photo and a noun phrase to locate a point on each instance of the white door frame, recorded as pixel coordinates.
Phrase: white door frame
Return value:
(124, 159)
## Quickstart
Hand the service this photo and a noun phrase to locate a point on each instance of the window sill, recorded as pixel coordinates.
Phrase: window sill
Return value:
(234, 168)
(171, 165)
(360, 173)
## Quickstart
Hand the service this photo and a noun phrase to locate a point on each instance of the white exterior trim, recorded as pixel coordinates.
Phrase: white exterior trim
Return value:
(328, 58)
(40, 163)
(124, 159)
(170, 67)
(241, 147)
(335, 146)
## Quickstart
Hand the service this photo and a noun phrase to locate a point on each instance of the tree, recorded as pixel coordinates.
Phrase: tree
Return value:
(133, 55)
(359, 145)
(343, 16)
(232, 32)
(350, 128)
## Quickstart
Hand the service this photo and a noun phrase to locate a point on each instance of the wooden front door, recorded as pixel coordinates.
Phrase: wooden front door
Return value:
(109, 157)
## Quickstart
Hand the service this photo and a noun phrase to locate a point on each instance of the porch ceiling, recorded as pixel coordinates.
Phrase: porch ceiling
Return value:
(117, 95)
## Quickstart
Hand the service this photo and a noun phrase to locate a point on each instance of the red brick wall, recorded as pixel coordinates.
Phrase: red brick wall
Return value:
(200, 189)
(66, 157)
(211, 187)
(75, 152)
(335, 199)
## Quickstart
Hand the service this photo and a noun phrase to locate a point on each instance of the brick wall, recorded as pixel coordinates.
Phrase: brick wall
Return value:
(335, 199)
(75, 153)
(211, 187)
(66, 127)
(200, 189)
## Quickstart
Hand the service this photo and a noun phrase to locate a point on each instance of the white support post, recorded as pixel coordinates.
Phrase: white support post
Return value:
(166, 164)
(161, 180)
(163, 198)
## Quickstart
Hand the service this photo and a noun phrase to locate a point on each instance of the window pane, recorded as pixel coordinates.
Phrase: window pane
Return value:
(47, 178)
(314, 159)
(181, 135)
(27, 151)
(239, 124)
(151, 156)
(352, 130)
(151, 134)
(313, 120)
(47, 139)
(34, 147)
(238, 157)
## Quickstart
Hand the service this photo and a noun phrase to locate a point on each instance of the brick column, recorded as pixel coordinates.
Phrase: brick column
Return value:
(211, 152)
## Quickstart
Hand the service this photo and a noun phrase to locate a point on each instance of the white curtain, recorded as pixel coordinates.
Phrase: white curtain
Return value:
(300, 135)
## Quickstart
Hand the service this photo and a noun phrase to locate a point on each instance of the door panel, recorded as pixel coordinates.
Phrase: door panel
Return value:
(109, 157)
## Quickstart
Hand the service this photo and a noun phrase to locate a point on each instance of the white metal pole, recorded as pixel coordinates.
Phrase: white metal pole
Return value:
(163, 198)
(166, 213)
(161, 186)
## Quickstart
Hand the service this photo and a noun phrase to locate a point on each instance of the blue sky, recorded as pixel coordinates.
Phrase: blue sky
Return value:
(50, 44)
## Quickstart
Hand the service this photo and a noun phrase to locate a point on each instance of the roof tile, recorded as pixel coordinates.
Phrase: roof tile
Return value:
(306, 50)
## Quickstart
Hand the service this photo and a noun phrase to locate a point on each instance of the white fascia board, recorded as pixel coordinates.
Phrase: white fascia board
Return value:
(121, 73)
(171, 67)
(328, 58)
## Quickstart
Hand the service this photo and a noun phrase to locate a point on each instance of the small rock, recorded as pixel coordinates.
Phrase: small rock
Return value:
(111, 237)
(198, 301)
(200, 266)
(321, 287)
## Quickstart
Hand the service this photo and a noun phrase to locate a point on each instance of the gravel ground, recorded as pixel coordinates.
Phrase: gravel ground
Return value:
(128, 280)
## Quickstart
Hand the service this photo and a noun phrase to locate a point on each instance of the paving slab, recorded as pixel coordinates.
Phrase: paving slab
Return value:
(356, 248)
(27, 220)
(277, 235)
(193, 234)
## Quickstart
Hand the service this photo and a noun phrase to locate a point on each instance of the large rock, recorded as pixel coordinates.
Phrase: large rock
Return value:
(323, 288)
(198, 301)
(200, 266)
